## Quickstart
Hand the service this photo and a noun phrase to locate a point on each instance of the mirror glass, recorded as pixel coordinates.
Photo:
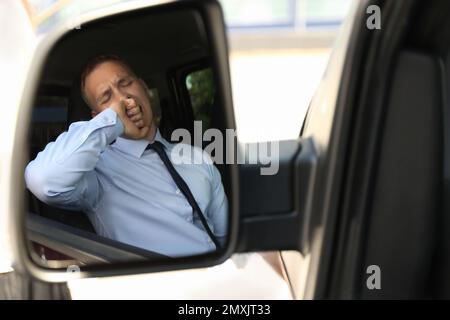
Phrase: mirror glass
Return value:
(118, 168)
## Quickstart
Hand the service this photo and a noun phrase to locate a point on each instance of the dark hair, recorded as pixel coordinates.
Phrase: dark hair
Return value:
(93, 63)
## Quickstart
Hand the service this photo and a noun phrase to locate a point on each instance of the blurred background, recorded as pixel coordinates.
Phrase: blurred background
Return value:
(278, 52)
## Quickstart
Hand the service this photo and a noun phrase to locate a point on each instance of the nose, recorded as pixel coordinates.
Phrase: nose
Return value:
(123, 96)
(127, 100)
(121, 93)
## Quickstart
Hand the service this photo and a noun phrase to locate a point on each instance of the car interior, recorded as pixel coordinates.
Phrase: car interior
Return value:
(407, 233)
(164, 50)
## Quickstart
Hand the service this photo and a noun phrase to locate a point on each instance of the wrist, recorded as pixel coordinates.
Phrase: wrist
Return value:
(109, 119)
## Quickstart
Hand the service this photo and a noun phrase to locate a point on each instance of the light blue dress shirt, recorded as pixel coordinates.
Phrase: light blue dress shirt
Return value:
(126, 191)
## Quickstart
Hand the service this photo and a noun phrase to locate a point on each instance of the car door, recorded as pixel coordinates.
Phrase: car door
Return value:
(379, 226)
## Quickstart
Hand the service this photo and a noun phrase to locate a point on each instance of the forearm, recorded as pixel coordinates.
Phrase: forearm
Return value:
(58, 170)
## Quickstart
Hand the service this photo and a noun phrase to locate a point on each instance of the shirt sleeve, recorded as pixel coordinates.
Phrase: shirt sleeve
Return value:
(218, 207)
(63, 173)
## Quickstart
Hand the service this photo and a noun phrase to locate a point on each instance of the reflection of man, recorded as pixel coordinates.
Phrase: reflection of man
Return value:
(131, 189)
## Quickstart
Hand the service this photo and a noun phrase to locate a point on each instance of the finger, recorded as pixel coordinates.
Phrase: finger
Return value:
(139, 123)
(130, 106)
(130, 103)
(136, 117)
(133, 111)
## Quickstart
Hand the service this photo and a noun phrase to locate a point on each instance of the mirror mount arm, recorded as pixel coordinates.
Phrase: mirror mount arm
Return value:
(287, 224)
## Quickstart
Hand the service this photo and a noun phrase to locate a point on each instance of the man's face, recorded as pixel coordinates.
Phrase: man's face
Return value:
(111, 82)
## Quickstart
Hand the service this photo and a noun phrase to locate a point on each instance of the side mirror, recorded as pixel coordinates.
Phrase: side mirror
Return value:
(180, 50)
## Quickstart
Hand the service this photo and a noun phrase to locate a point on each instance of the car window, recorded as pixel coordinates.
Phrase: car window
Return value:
(49, 119)
(201, 88)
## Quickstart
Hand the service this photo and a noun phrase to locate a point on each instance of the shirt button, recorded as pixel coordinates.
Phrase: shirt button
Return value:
(178, 191)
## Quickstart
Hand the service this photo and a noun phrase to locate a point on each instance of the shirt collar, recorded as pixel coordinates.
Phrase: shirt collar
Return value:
(137, 147)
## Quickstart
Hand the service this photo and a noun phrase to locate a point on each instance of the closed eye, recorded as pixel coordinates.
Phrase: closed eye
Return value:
(105, 97)
(125, 82)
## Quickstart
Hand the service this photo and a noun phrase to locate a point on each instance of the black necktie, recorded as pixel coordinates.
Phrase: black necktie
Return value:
(181, 184)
